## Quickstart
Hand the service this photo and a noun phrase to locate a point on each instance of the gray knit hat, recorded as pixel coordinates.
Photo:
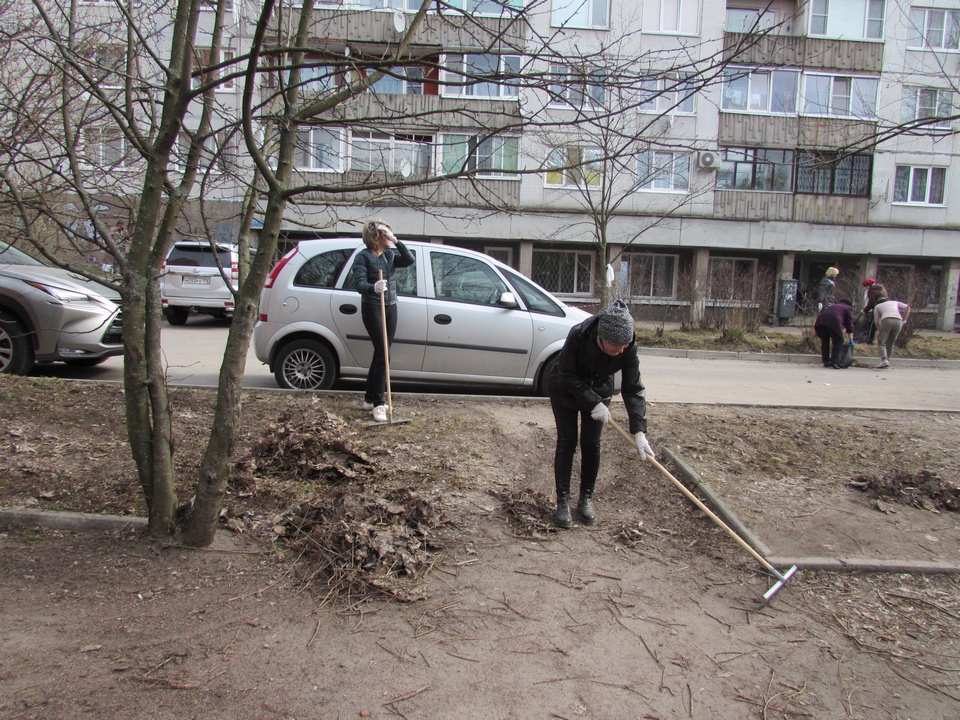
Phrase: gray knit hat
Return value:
(616, 325)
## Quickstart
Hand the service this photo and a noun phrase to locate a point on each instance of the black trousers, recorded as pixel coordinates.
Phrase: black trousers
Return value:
(376, 389)
(829, 354)
(573, 425)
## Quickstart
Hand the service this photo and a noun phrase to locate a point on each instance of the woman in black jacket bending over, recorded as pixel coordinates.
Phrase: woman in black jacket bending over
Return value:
(580, 388)
(383, 253)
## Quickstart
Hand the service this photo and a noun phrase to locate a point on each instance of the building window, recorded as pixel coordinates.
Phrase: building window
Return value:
(749, 20)
(106, 148)
(480, 76)
(416, 79)
(756, 169)
(833, 174)
(667, 95)
(579, 89)
(847, 19)
(579, 13)
(108, 65)
(318, 149)
(919, 185)
(648, 276)
(840, 96)
(936, 29)
(659, 170)
(922, 103)
(677, 17)
(563, 272)
(760, 91)
(212, 5)
(315, 78)
(574, 167)
(485, 157)
(406, 155)
(732, 280)
(204, 59)
(496, 8)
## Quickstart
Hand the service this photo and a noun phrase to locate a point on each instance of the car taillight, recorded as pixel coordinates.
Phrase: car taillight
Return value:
(234, 271)
(272, 277)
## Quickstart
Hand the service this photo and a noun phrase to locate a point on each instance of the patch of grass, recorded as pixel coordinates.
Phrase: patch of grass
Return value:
(928, 347)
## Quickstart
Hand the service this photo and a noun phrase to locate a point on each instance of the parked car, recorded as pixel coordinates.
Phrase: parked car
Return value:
(198, 277)
(464, 319)
(48, 314)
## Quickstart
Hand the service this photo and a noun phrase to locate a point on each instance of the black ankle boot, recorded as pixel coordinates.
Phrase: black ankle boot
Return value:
(562, 517)
(585, 507)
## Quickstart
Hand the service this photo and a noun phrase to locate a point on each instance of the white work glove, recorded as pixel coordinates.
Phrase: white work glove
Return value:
(601, 412)
(643, 447)
(380, 287)
(389, 233)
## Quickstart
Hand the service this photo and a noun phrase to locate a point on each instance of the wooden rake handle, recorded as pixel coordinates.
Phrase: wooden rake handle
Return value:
(386, 350)
(696, 501)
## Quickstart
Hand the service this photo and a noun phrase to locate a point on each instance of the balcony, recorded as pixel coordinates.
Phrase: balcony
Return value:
(801, 51)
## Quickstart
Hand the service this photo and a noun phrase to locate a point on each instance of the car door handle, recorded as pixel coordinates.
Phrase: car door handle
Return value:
(348, 309)
(442, 319)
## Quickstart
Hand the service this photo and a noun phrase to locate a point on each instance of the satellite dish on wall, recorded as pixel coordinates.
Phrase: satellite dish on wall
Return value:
(399, 20)
(405, 169)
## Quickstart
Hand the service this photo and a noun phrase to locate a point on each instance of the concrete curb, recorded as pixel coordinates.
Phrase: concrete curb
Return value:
(780, 358)
(713, 501)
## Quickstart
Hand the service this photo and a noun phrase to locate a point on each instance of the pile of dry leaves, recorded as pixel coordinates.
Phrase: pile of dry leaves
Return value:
(352, 517)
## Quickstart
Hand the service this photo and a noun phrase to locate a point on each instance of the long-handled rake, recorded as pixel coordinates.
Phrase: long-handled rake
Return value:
(782, 578)
(386, 364)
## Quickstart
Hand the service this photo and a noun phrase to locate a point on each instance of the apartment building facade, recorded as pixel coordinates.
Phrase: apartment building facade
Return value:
(776, 139)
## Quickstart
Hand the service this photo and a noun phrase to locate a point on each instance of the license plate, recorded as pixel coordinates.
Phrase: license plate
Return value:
(195, 280)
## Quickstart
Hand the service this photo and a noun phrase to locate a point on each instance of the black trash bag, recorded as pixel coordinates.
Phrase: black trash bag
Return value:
(863, 328)
(846, 356)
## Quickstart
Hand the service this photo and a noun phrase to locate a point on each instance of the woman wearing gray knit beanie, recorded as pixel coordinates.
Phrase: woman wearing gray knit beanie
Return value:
(580, 387)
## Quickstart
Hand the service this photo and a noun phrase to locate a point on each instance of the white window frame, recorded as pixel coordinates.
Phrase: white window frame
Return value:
(211, 6)
(812, 106)
(671, 17)
(485, 8)
(934, 29)
(761, 20)
(501, 254)
(457, 68)
(583, 273)
(667, 96)
(224, 55)
(571, 89)
(654, 259)
(575, 167)
(459, 150)
(405, 86)
(849, 19)
(315, 79)
(114, 67)
(663, 171)
(585, 14)
(308, 140)
(401, 154)
(107, 148)
(761, 90)
(938, 102)
(914, 175)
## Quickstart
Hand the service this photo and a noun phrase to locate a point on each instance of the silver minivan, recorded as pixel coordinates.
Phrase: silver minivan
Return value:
(195, 278)
(464, 319)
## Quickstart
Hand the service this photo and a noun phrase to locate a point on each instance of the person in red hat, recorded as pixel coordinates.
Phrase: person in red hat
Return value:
(876, 293)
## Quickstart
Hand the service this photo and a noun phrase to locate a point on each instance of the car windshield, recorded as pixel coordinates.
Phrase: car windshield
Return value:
(12, 256)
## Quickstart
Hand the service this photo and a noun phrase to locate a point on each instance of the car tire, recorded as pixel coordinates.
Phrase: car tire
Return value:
(177, 315)
(16, 346)
(305, 365)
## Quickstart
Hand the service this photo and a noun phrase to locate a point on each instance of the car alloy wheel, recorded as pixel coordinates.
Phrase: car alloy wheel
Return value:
(305, 365)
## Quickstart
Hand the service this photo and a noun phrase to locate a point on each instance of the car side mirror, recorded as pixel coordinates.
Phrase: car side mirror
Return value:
(508, 300)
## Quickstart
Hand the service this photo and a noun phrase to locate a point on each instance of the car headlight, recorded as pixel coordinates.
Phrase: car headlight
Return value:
(61, 294)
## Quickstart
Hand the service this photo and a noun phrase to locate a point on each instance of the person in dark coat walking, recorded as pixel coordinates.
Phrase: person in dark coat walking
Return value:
(580, 387)
(382, 254)
(876, 293)
(831, 323)
(827, 288)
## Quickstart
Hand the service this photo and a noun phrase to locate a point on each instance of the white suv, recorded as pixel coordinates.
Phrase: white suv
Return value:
(195, 278)
(463, 319)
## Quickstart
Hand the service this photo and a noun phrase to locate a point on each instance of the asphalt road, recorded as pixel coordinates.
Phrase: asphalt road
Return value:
(194, 353)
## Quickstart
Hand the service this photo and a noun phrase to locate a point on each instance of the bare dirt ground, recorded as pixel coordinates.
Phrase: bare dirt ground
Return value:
(411, 570)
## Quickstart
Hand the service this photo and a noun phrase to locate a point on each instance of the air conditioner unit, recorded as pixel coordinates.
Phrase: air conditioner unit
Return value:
(709, 160)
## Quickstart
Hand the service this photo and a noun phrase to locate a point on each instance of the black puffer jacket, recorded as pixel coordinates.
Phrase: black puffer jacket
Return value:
(583, 375)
